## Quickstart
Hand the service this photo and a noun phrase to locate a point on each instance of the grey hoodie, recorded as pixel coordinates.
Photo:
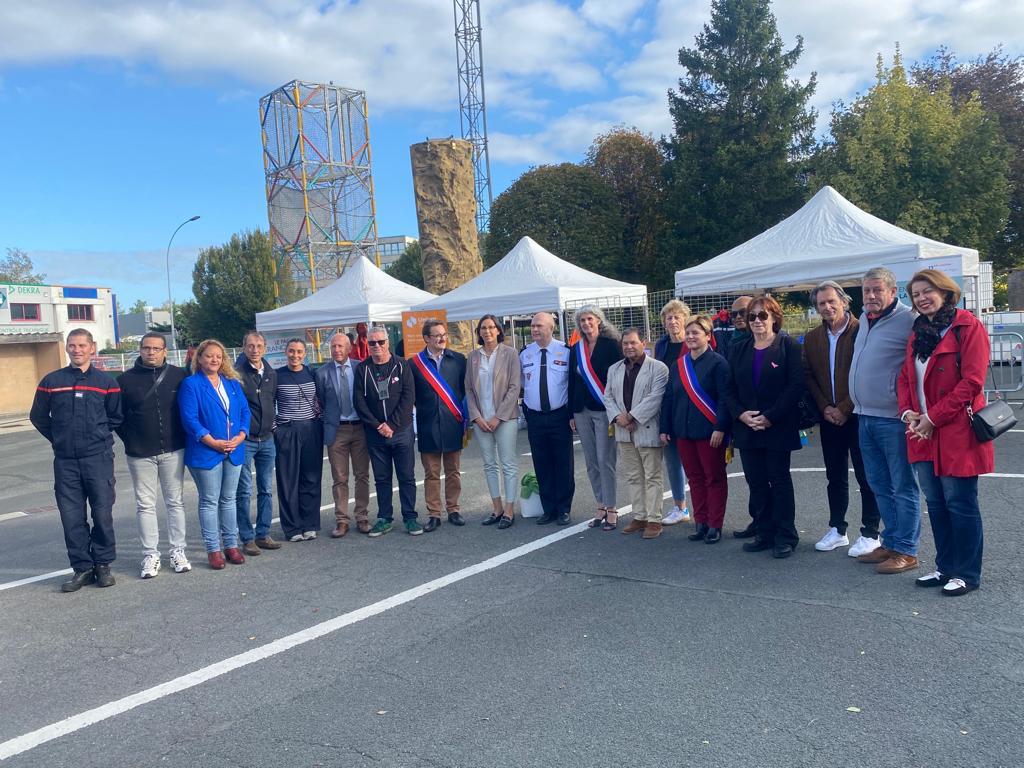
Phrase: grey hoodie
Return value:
(878, 355)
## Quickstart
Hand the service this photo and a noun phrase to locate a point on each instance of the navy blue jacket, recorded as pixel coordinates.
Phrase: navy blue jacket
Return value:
(680, 417)
(437, 431)
(77, 411)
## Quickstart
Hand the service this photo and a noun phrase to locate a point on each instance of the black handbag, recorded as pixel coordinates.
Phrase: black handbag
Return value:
(992, 420)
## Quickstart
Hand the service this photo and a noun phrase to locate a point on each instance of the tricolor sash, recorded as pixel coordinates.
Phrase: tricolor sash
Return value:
(586, 370)
(440, 386)
(700, 399)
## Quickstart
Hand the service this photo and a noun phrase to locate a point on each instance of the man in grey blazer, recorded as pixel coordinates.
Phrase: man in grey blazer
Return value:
(632, 398)
(344, 436)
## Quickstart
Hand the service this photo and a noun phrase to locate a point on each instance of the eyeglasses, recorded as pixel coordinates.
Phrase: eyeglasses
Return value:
(762, 316)
(439, 336)
(376, 342)
(152, 349)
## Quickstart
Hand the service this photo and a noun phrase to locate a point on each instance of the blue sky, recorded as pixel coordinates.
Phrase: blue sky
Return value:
(121, 118)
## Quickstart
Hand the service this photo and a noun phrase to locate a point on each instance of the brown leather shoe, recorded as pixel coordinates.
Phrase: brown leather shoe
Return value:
(636, 525)
(339, 530)
(898, 563)
(652, 530)
(250, 548)
(879, 555)
(268, 543)
(363, 526)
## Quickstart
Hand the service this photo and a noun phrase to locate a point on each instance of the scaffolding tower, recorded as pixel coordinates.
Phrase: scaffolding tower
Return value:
(472, 105)
(320, 205)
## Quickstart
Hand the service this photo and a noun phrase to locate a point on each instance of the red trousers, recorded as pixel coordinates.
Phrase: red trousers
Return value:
(705, 472)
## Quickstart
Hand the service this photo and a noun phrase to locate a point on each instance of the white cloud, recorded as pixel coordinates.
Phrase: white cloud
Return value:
(610, 13)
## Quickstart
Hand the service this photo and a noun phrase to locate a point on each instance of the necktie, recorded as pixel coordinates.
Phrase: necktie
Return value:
(545, 401)
(344, 395)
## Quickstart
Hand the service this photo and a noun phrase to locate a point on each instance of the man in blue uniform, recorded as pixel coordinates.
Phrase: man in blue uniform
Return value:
(77, 408)
(545, 366)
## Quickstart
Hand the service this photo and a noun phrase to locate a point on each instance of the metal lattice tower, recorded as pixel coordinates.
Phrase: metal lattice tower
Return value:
(316, 155)
(472, 105)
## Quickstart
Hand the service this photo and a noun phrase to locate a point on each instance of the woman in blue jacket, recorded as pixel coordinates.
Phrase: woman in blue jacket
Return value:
(215, 414)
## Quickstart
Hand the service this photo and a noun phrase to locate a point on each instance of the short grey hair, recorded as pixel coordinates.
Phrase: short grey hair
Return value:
(377, 329)
(843, 295)
(255, 333)
(881, 273)
(604, 328)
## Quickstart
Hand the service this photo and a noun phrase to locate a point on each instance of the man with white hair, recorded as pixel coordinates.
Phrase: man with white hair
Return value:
(545, 366)
(828, 352)
(878, 354)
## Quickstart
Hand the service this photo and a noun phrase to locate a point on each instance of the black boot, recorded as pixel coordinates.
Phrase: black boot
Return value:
(700, 533)
(747, 533)
(104, 578)
(714, 536)
(79, 580)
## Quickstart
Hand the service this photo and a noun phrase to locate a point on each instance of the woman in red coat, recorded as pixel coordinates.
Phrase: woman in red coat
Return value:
(944, 373)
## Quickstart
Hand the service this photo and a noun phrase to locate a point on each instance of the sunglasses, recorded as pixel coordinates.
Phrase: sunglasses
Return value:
(377, 343)
(738, 313)
(762, 316)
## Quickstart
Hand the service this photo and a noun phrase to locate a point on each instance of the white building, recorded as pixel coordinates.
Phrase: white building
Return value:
(31, 309)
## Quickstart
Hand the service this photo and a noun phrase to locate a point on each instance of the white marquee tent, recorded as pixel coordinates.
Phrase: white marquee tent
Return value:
(829, 238)
(530, 279)
(363, 293)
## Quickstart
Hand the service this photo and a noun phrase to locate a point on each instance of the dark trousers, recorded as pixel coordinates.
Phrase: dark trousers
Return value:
(396, 453)
(771, 494)
(709, 484)
(75, 482)
(551, 446)
(838, 443)
(300, 467)
(956, 522)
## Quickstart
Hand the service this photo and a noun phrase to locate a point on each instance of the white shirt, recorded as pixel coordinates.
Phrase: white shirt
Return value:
(833, 343)
(920, 366)
(485, 384)
(558, 374)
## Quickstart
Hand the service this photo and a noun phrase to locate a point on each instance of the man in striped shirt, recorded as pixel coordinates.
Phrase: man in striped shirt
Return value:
(77, 409)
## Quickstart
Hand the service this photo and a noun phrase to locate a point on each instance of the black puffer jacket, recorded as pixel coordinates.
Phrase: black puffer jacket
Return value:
(152, 424)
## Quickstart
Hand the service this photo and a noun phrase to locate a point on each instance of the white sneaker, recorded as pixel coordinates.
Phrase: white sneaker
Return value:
(296, 537)
(150, 566)
(832, 540)
(863, 546)
(308, 535)
(180, 562)
(677, 515)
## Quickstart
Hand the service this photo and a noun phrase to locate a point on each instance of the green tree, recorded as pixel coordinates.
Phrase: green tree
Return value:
(631, 163)
(741, 131)
(231, 283)
(910, 156)
(998, 81)
(568, 209)
(409, 266)
(185, 315)
(17, 268)
(138, 306)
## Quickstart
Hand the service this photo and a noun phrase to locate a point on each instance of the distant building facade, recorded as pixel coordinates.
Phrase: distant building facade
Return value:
(132, 324)
(390, 249)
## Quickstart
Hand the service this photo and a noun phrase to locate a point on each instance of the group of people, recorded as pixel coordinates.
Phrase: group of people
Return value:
(891, 393)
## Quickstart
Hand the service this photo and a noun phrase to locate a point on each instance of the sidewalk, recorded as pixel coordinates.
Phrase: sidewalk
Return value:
(14, 422)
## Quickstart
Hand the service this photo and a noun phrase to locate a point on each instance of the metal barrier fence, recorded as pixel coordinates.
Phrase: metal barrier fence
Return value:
(1006, 374)
(125, 360)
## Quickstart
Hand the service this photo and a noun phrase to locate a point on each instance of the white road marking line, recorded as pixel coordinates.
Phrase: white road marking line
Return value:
(11, 515)
(74, 723)
(40, 577)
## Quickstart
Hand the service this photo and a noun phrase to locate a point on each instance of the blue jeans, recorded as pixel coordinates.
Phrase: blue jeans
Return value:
(217, 512)
(956, 522)
(676, 475)
(262, 454)
(883, 446)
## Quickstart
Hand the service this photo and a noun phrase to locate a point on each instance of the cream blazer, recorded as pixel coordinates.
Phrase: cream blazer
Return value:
(506, 376)
(647, 393)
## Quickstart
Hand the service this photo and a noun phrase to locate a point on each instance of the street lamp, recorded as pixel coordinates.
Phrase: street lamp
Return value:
(170, 298)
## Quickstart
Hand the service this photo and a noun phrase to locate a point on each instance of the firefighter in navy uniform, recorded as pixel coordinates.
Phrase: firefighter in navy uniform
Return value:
(77, 409)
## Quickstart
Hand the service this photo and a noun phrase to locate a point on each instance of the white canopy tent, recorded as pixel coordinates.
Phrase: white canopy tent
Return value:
(362, 294)
(529, 279)
(829, 238)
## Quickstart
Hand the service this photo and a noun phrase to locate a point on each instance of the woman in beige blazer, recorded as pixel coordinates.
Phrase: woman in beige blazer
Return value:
(492, 394)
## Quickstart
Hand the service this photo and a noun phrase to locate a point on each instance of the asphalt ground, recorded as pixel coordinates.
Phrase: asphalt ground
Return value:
(534, 646)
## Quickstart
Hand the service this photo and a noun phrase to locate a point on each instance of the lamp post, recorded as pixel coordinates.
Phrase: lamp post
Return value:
(170, 298)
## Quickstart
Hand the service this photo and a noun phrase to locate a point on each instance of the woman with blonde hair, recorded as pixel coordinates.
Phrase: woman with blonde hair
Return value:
(674, 317)
(940, 384)
(215, 415)
(589, 360)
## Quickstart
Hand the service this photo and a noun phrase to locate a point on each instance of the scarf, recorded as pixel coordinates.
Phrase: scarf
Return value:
(927, 333)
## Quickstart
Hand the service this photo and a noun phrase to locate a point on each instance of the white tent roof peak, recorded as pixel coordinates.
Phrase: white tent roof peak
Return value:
(363, 293)
(828, 238)
(529, 278)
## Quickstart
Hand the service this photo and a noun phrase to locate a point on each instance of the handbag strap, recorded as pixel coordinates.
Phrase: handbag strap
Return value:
(970, 408)
(156, 384)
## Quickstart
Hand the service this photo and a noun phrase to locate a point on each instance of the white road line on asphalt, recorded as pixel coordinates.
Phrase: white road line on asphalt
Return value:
(74, 723)
(11, 515)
